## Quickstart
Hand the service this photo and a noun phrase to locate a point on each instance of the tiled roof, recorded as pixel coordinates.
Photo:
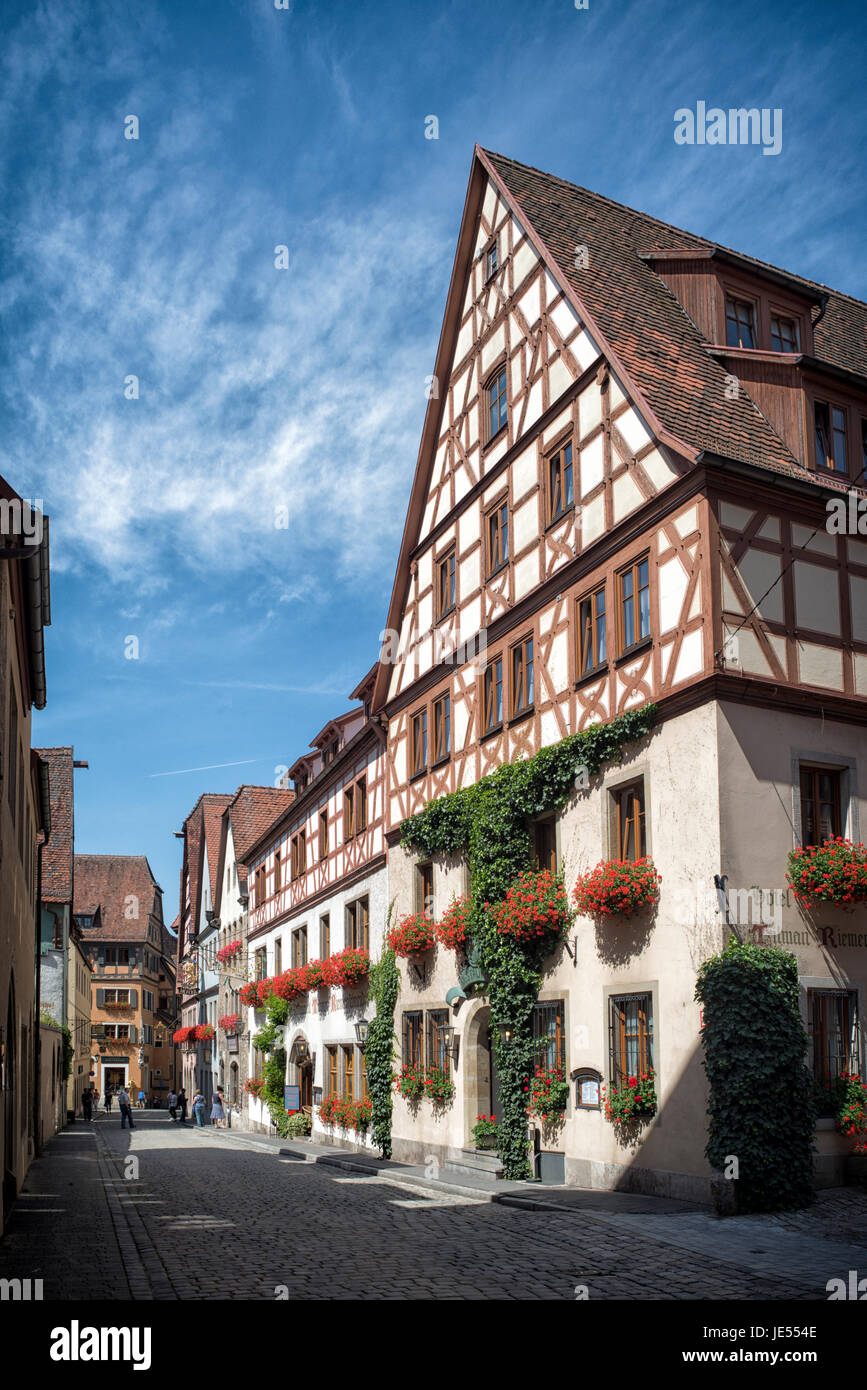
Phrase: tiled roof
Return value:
(118, 883)
(57, 855)
(646, 326)
(253, 811)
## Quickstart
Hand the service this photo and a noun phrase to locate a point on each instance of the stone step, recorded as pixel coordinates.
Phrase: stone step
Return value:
(475, 1161)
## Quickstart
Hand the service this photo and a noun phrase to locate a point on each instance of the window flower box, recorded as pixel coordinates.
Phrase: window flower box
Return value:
(412, 934)
(184, 1035)
(617, 888)
(535, 907)
(438, 1086)
(229, 952)
(451, 932)
(230, 1023)
(249, 995)
(633, 1102)
(547, 1094)
(833, 872)
(314, 974)
(409, 1082)
(347, 968)
(205, 1032)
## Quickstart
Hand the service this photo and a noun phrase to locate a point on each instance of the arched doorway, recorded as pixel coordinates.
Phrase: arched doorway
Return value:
(301, 1065)
(481, 1089)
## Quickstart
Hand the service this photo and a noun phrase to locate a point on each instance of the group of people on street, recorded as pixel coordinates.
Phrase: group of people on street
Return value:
(90, 1103)
(177, 1103)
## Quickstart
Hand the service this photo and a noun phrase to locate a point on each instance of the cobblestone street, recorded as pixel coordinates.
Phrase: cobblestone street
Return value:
(211, 1215)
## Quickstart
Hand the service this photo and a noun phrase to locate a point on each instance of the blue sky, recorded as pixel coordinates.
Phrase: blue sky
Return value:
(304, 388)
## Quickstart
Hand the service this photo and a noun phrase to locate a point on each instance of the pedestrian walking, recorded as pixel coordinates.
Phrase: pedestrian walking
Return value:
(218, 1109)
(87, 1105)
(125, 1104)
(172, 1103)
(141, 1100)
(107, 1101)
(182, 1106)
(199, 1109)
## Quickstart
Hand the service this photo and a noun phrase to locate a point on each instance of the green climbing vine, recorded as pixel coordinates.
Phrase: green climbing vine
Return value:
(490, 823)
(379, 1049)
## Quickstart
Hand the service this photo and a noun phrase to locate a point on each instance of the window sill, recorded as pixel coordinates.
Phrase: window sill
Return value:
(495, 438)
(525, 714)
(417, 776)
(637, 647)
(498, 571)
(491, 733)
(447, 614)
(592, 675)
(567, 511)
(441, 762)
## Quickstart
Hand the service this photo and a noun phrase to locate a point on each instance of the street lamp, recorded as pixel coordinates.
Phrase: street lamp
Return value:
(302, 1052)
(361, 1029)
(506, 1032)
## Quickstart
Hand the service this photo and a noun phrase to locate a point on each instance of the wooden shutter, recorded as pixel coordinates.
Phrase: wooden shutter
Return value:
(100, 998)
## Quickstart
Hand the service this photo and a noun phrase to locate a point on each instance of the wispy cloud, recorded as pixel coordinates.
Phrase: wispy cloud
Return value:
(208, 767)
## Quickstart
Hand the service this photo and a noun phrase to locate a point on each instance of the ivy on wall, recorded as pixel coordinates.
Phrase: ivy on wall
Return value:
(489, 822)
(761, 1094)
(379, 1048)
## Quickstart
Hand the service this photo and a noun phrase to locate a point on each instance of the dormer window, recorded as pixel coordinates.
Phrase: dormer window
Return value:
(784, 334)
(492, 261)
(740, 323)
(830, 437)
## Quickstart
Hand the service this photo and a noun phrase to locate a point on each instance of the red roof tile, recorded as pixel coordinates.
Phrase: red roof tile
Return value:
(126, 891)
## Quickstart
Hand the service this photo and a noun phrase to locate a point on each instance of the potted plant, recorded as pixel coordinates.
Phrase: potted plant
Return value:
(833, 872)
(534, 907)
(438, 1086)
(633, 1102)
(298, 1124)
(253, 1087)
(411, 935)
(617, 888)
(484, 1132)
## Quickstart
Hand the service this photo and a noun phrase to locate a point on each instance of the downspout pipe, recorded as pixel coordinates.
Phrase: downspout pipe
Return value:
(45, 817)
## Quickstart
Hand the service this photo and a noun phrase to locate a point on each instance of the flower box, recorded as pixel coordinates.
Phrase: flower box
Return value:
(484, 1132)
(617, 888)
(451, 932)
(253, 1087)
(833, 872)
(249, 995)
(535, 907)
(412, 934)
(347, 968)
(547, 1094)
(634, 1102)
(184, 1035)
(230, 1023)
(204, 1032)
(229, 952)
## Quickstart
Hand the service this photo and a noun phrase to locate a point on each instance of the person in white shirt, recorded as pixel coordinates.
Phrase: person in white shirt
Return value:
(125, 1108)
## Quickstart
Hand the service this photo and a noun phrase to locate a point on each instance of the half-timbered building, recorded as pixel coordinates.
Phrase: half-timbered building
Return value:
(317, 885)
(635, 448)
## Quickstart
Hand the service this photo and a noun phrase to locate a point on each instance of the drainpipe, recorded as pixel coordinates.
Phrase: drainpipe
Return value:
(45, 816)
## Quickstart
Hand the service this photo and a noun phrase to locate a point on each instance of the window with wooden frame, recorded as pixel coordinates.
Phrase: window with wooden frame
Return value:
(438, 1054)
(831, 445)
(522, 677)
(418, 761)
(413, 1039)
(544, 833)
(821, 804)
(299, 854)
(278, 956)
(497, 532)
(630, 1036)
(299, 947)
(348, 813)
(592, 636)
(323, 834)
(560, 481)
(360, 805)
(549, 1035)
(492, 261)
(325, 936)
(261, 963)
(740, 322)
(495, 394)
(362, 1066)
(259, 884)
(628, 830)
(785, 336)
(424, 888)
(278, 869)
(358, 924)
(832, 1024)
(331, 1073)
(442, 728)
(493, 694)
(348, 1059)
(446, 572)
(633, 604)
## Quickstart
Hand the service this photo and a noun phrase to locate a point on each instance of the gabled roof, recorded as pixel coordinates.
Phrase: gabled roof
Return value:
(57, 854)
(639, 325)
(117, 882)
